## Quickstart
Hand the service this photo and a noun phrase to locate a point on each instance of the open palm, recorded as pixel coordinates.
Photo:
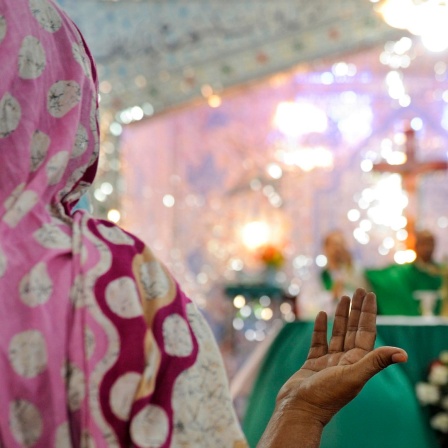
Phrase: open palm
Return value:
(335, 372)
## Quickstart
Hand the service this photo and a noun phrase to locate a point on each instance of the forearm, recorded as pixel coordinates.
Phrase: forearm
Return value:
(287, 429)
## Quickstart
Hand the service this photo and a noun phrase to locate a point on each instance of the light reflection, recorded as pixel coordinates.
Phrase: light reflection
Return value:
(107, 188)
(383, 251)
(294, 119)
(214, 101)
(417, 124)
(308, 158)
(168, 200)
(321, 261)
(388, 242)
(116, 129)
(239, 301)
(238, 323)
(327, 78)
(267, 314)
(137, 113)
(114, 215)
(396, 158)
(402, 235)
(99, 195)
(427, 19)
(366, 166)
(361, 236)
(246, 311)
(353, 215)
(274, 170)
(365, 225)
(256, 234)
(236, 264)
(442, 222)
(357, 126)
(405, 256)
(386, 205)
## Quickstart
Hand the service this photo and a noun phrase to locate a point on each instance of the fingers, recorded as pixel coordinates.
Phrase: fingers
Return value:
(353, 320)
(352, 328)
(366, 334)
(340, 326)
(375, 361)
(319, 345)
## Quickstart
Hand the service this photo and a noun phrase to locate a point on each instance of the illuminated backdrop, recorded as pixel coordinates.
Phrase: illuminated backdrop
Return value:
(295, 154)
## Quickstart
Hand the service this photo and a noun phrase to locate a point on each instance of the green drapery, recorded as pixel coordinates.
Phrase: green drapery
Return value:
(396, 287)
(385, 414)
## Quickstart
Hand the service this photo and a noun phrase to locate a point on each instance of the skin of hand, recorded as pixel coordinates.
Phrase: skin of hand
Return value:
(333, 374)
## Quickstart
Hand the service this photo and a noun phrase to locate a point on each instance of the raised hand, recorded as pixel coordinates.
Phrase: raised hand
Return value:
(332, 375)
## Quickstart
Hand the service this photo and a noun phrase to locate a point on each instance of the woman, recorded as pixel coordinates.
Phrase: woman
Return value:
(99, 347)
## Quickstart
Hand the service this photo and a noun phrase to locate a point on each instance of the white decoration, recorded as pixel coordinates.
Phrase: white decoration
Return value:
(10, 114)
(76, 387)
(427, 393)
(3, 263)
(28, 353)
(176, 336)
(76, 292)
(56, 167)
(80, 55)
(52, 237)
(87, 440)
(123, 393)
(152, 363)
(9, 202)
(3, 28)
(94, 128)
(25, 202)
(123, 299)
(444, 356)
(84, 255)
(204, 409)
(73, 179)
(90, 343)
(36, 287)
(63, 437)
(440, 422)
(63, 96)
(47, 16)
(149, 428)
(25, 422)
(438, 375)
(81, 142)
(32, 58)
(39, 149)
(115, 235)
(154, 280)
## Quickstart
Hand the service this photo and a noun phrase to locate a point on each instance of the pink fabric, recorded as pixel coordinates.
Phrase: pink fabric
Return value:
(98, 346)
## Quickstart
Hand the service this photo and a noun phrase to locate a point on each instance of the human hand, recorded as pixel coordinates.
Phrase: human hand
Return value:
(335, 373)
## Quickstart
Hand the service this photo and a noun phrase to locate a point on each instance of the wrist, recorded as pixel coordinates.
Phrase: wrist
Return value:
(295, 402)
(293, 408)
(292, 427)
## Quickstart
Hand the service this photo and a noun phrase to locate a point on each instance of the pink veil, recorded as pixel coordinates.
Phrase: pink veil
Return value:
(98, 345)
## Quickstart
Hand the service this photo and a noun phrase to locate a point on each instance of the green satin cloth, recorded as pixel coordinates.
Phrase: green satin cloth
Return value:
(395, 287)
(385, 414)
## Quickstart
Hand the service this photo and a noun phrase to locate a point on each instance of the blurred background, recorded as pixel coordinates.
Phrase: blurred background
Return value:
(237, 134)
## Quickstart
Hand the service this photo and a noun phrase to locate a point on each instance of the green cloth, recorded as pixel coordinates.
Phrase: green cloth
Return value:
(385, 414)
(326, 279)
(395, 287)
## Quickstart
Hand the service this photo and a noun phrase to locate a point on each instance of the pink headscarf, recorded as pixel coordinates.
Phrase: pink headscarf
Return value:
(98, 346)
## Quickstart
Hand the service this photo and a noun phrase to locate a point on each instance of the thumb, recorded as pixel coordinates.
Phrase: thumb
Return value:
(378, 360)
